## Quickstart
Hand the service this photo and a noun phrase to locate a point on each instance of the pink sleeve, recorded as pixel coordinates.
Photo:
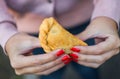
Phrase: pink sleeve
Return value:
(7, 29)
(108, 8)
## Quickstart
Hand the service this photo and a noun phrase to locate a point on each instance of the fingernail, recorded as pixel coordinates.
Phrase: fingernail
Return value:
(68, 61)
(73, 55)
(60, 52)
(75, 49)
(66, 57)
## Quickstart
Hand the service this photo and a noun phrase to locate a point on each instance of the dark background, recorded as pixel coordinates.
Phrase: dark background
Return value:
(6, 72)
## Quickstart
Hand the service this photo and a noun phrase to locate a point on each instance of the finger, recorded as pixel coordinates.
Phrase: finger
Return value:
(53, 69)
(38, 68)
(26, 61)
(97, 58)
(108, 43)
(84, 35)
(93, 65)
(99, 48)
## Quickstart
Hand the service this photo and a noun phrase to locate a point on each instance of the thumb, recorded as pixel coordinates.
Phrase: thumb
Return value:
(35, 42)
(29, 42)
(29, 46)
(86, 34)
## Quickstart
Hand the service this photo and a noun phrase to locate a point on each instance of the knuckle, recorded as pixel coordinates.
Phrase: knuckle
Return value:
(100, 59)
(39, 74)
(50, 57)
(86, 51)
(104, 59)
(41, 62)
(99, 51)
(115, 41)
(44, 67)
(96, 66)
(55, 62)
(30, 70)
(18, 73)
(46, 73)
(15, 65)
(36, 61)
(117, 51)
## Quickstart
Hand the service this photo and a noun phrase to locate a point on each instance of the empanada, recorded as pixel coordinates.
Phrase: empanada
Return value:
(53, 36)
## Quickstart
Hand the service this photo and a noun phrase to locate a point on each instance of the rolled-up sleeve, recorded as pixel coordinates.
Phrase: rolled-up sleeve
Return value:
(7, 27)
(108, 8)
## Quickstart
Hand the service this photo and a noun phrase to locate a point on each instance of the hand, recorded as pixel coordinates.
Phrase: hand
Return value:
(19, 51)
(107, 42)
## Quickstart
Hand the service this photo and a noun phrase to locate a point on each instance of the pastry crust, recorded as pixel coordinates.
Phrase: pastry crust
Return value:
(53, 36)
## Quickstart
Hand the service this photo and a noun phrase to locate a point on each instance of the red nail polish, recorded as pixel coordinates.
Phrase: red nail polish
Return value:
(73, 55)
(75, 49)
(60, 52)
(68, 61)
(66, 57)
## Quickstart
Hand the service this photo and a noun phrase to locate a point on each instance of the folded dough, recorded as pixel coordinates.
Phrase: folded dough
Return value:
(53, 36)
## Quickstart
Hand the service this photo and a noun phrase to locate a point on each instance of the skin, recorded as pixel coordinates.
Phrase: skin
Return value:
(107, 42)
(19, 51)
(103, 29)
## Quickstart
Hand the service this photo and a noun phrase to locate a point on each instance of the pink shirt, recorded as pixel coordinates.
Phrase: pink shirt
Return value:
(68, 12)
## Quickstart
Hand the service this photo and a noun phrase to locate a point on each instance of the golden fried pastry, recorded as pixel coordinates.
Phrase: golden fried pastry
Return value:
(53, 36)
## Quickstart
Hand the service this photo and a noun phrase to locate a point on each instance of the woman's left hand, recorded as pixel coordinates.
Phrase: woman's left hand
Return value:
(107, 43)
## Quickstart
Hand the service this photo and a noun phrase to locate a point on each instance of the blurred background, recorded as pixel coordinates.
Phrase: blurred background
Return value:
(6, 71)
(109, 70)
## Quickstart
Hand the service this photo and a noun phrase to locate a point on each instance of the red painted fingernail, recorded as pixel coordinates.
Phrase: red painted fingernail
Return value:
(68, 61)
(66, 57)
(75, 49)
(73, 55)
(60, 52)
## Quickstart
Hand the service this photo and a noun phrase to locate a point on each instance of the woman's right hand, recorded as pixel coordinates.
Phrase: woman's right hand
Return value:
(19, 48)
